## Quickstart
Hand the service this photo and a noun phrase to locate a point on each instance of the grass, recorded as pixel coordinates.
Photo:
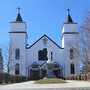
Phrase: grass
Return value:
(50, 81)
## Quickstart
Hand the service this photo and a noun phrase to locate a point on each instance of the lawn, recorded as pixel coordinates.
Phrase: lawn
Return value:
(49, 81)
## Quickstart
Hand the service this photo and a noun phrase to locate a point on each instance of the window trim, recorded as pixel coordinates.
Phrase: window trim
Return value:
(72, 68)
(17, 69)
(42, 55)
(17, 54)
(71, 53)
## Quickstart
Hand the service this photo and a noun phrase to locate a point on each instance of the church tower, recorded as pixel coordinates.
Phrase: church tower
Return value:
(18, 42)
(70, 45)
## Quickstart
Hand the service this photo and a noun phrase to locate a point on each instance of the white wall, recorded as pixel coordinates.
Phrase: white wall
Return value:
(32, 53)
(18, 40)
(18, 26)
(70, 41)
(72, 27)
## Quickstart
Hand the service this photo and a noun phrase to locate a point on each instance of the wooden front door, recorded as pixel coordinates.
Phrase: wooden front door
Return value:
(35, 74)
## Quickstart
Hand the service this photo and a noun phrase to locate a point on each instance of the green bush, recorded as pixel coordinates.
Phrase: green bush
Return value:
(20, 78)
(7, 78)
(12, 79)
(24, 78)
(2, 78)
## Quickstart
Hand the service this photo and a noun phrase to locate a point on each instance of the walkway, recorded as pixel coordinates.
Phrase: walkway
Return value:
(71, 85)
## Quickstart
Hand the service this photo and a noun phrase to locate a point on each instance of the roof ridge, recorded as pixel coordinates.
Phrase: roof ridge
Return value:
(48, 38)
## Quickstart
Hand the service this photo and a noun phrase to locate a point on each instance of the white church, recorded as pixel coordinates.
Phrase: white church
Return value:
(30, 61)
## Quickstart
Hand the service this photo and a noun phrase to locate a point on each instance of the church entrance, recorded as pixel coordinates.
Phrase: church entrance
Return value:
(34, 71)
(35, 74)
(43, 73)
(57, 70)
(57, 73)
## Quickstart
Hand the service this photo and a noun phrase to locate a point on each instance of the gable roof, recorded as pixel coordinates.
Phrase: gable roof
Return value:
(44, 64)
(41, 38)
(58, 64)
(34, 64)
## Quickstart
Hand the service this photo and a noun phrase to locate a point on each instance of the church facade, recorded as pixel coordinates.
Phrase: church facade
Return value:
(30, 61)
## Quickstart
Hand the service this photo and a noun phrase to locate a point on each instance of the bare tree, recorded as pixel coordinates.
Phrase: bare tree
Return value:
(1, 61)
(84, 39)
(81, 44)
(7, 52)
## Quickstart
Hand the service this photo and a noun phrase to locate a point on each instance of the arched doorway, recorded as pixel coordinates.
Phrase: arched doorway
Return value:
(57, 70)
(34, 71)
(43, 73)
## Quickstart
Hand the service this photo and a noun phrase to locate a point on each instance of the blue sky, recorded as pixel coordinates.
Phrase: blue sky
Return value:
(41, 16)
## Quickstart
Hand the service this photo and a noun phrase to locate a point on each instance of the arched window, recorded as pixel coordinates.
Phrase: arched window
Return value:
(71, 54)
(45, 54)
(42, 54)
(17, 53)
(72, 68)
(51, 56)
(17, 67)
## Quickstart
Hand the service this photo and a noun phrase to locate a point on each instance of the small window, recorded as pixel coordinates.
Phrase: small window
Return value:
(17, 69)
(17, 54)
(72, 69)
(51, 56)
(71, 54)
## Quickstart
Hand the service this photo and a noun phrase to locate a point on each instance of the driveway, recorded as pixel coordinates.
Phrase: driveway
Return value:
(29, 85)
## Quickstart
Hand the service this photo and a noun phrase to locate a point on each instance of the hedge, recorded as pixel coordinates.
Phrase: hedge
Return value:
(2, 78)
(84, 77)
(7, 78)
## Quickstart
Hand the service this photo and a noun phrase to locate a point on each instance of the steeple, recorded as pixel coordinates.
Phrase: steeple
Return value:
(19, 18)
(69, 19)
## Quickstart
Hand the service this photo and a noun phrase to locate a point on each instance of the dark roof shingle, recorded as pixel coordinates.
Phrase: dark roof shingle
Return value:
(19, 18)
(69, 19)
